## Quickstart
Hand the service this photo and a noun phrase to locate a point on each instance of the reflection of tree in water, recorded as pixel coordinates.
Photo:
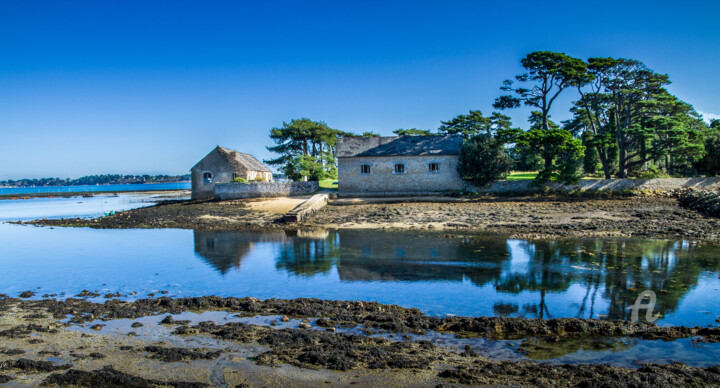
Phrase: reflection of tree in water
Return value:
(362, 255)
(611, 271)
(308, 254)
(225, 250)
(617, 269)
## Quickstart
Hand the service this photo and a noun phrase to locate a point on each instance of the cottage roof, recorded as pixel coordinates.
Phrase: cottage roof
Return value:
(238, 159)
(398, 146)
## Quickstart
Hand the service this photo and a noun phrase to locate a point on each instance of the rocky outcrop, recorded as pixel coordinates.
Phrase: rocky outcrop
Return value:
(704, 201)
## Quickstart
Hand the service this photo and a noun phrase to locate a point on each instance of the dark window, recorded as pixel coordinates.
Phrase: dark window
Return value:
(433, 167)
(207, 177)
(235, 176)
(399, 168)
(365, 169)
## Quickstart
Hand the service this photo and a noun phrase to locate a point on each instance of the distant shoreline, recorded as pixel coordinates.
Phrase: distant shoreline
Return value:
(100, 184)
(68, 194)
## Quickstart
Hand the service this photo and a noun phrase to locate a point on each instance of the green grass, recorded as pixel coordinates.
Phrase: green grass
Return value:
(329, 184)
(521, 175)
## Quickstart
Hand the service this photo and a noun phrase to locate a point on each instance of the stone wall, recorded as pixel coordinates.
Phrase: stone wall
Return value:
(383, 181)
(614, 185)
(307, 208)
(224, 191)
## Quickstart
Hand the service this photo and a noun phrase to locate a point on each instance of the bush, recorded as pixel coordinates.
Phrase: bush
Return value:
(710, 163)
(483, 160)
(239, 180)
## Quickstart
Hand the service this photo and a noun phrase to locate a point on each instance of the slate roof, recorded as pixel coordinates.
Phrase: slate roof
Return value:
(237, 159)
(233, 157)
(398, 146)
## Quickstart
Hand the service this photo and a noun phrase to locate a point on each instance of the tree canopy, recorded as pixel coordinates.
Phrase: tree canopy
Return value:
(306, 148)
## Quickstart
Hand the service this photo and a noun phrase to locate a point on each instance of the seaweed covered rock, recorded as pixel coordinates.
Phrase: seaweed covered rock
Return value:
(704, 201)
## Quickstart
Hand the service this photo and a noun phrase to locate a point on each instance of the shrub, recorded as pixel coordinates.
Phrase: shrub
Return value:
(483, 160)
(239, 180)
(710, 164)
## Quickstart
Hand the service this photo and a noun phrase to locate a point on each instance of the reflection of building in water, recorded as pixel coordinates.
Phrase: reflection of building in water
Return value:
(362, 255)
(226, 250)
(600, 277)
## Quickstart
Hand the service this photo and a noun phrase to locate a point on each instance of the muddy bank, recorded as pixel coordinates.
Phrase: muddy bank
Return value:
(225, 215)
(522, 217)
(343, 314)
(533, 217)
(55, 353)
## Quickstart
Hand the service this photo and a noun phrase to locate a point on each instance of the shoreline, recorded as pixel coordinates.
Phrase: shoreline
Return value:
(307, 346)
(527, 217)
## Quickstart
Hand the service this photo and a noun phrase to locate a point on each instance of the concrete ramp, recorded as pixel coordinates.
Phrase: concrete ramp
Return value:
(307, 208)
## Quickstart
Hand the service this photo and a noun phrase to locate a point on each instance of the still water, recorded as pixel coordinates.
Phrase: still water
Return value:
(584, 278)
(95, 188)
(72, 207)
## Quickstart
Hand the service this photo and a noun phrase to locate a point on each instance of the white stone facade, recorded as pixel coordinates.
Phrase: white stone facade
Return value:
(417, 177)
(225, 191)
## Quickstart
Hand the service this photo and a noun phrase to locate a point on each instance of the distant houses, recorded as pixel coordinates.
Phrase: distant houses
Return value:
(223, 165)
(400, 165)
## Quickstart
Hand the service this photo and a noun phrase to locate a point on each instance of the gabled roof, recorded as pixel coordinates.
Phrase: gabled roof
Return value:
(398, 146)
(238, 159)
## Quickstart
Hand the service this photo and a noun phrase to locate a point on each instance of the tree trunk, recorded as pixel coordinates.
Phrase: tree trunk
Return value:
(547, 157)
(603, 161)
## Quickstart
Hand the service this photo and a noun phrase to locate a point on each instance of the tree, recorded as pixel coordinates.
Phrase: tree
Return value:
(306, 149)
(710, 164)
(628, 108)
(549, 74)
(370, 134)
(554, 144)
(414, 132)
(474, 123)
(483, 159)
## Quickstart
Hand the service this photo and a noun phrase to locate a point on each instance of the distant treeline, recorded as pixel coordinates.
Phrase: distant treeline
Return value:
(108, 179)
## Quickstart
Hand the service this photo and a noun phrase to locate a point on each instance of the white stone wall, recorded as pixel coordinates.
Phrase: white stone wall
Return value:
(383, 180)
(657, 184)
(224, 191)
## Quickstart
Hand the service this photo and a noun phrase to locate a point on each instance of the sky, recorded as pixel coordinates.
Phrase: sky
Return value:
(136, 87)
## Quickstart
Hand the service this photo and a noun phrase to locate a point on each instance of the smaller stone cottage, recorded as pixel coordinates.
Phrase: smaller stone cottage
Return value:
(223, 165)
(399, 165)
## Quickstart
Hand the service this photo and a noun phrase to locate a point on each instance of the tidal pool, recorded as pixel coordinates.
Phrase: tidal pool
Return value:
(485, 275)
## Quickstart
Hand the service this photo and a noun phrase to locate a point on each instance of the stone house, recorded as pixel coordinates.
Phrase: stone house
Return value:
(399, 165)
(223, 165)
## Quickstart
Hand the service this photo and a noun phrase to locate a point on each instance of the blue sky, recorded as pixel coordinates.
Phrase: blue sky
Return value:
(150, 87)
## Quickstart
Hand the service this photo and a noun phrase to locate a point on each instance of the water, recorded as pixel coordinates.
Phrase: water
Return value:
(584, 278)
(96, 188)
(72, 207)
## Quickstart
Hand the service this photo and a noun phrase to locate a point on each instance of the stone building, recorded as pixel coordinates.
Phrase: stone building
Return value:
(400, 165)
(223, 165)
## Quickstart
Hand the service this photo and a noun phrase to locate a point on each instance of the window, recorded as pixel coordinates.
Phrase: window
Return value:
(235, 176)
(365, 169)
(399, 168)
(207, 177)
(433, 167)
